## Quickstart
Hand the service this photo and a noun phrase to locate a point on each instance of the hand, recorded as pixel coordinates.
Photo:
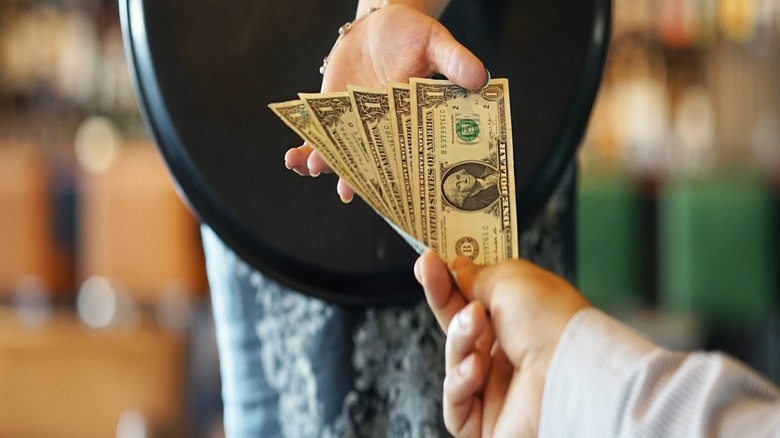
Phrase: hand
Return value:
(502, 331)
(390, 45)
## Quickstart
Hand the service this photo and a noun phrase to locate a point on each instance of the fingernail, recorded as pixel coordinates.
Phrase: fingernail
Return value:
(418, 271)
(314, 174)
(346, 200)
(287, 166)
(487, 80)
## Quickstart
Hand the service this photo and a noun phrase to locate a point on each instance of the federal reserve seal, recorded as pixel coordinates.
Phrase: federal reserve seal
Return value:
(467, 130)
(467, 246)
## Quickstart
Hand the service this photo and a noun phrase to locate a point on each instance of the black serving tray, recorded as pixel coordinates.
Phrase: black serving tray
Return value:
(204, 71)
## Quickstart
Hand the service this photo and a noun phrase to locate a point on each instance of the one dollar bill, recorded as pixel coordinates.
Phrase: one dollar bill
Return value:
(468, 177)
(433, 159)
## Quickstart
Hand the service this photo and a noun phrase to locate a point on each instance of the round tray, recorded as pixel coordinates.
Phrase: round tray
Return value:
(204, 72)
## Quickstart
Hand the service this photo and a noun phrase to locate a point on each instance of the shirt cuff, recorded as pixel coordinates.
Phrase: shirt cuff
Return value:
(591, 367)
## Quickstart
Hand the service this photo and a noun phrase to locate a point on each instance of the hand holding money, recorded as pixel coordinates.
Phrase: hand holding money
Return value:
(391, 45)
(433, 159)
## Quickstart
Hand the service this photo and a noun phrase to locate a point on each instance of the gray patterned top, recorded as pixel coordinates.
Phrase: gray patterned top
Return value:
(296, 366)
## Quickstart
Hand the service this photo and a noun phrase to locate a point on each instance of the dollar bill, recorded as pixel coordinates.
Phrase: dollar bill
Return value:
(296, 116)
(468, 169)
(335, 116)
(433, 159)
(401, 116)
(372, 108)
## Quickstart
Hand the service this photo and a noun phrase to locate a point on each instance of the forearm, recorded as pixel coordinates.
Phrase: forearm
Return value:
(433, 8)
(608, 381)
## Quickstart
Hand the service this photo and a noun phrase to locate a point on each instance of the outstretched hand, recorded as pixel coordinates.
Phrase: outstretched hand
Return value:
(503, 324)
(393, 44)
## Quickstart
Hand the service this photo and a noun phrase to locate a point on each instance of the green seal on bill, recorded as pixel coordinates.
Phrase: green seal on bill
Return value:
(467, 130)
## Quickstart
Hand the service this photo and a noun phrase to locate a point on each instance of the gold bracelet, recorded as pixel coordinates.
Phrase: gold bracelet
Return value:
(343, 31)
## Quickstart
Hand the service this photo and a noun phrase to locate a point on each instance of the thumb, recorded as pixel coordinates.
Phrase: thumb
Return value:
(465, 273)
(479, 282)
(450, 58)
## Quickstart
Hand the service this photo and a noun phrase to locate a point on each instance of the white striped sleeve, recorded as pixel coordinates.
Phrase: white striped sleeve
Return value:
(607, 381)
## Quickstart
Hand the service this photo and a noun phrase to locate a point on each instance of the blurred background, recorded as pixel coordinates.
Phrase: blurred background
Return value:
(105, 325)
(679, 197)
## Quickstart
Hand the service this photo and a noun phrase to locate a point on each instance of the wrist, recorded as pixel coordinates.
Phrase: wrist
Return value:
(346, 27)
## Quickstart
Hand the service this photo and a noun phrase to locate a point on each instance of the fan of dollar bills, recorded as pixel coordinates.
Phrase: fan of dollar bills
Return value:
(432, 158)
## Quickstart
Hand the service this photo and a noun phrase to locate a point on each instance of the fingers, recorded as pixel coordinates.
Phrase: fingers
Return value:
(305, 161)
(316, 164)
(450, 58)
(443, 297)
(496, 389)
(465, 335)
(295, 159)
(345, 191)
(462, 407)
(467, 359)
